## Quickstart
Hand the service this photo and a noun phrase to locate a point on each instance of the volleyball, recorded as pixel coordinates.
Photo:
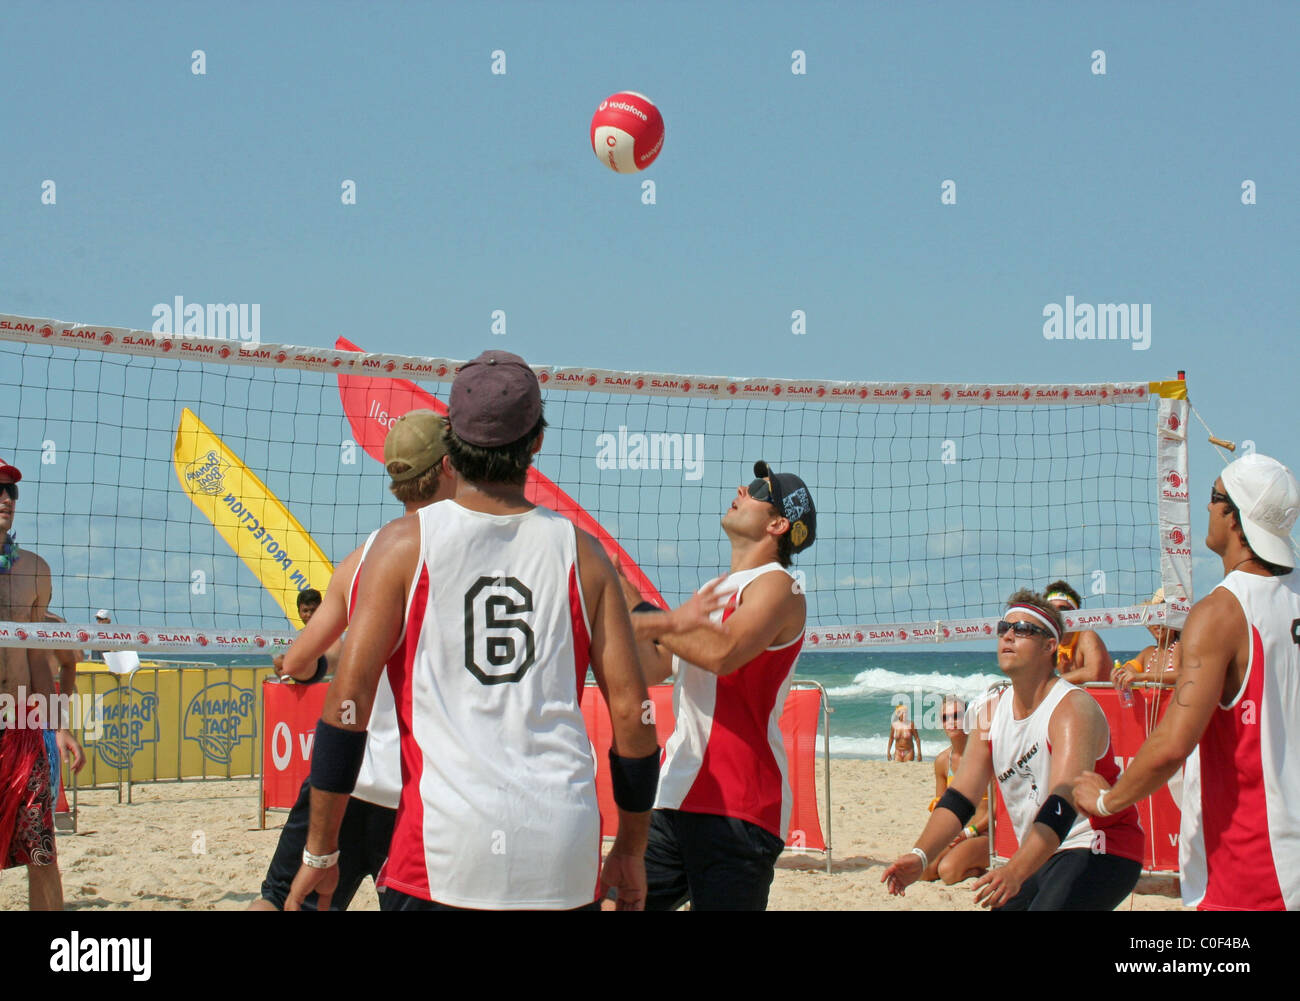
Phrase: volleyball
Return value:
(627, 132)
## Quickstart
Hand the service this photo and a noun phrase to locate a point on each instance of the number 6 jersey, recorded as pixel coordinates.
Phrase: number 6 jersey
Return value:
(498, 807)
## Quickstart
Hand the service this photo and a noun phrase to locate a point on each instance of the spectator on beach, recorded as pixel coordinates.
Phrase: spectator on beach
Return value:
(309, 601)
(968, 853)
(1159, 662)
(1082, 656)
(904, 739)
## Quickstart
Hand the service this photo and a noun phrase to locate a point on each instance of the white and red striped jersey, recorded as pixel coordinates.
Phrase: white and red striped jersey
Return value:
(380, 778)
(1022, 764)
(498, 807)
(726, 756)
(1239, 847)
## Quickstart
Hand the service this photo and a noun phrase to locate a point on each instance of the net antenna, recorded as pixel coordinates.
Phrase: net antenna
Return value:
(934, 500)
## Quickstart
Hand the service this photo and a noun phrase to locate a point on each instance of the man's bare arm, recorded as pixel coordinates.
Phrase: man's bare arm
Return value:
(1091, 660)
(319, 636)
(1215, 629)
(619, 674)
(37, 659)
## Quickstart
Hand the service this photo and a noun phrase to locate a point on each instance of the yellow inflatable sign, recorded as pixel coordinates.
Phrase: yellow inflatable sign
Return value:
(258, 527)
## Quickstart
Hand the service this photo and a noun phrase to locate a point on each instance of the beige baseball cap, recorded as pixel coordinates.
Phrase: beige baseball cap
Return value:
(414, 440)
(1267, 497)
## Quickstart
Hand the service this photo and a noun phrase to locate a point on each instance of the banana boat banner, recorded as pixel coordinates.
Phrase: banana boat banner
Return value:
(252, 520)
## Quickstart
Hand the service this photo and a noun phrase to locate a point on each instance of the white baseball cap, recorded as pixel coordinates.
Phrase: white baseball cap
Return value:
(102, 613)
(1268, 500)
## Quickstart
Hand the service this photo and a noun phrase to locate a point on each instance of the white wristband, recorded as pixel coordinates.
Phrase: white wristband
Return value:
(1101, 804)
(320, 861)
(925, 859)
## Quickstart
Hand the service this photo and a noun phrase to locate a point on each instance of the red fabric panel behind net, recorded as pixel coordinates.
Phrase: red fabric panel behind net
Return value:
(798, 728)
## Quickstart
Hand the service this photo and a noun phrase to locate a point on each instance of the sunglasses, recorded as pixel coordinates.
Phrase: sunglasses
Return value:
(1023, 629)
(9, 488)
(1218, 498)
(761, 490)
(950, 717)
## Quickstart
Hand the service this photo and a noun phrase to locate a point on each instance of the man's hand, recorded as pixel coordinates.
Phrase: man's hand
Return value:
(696, 611)
(278, 663)
(1087, 788)
(997, 886)
(905, 871)
(626, 873)
(69, 748)
(323, 881)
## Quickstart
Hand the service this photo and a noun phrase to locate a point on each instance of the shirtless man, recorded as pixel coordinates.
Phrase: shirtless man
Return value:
(904, 740)
(26, 809)
(1082, 656)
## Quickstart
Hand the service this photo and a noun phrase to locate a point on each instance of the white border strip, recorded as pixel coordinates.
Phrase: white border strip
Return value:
(123, 340)
(965, 630)
(151, 639)
(143, 639)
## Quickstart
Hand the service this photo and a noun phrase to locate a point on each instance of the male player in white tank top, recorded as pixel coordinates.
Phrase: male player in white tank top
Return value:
(419, 476)
(486, 611)
(1044, 733)
(724, 802)
(1238, 697)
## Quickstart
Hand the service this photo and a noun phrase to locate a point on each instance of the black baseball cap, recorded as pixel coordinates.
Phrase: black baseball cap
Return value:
(790, 496)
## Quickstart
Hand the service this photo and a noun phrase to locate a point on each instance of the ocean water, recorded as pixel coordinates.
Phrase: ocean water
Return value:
(862, 688)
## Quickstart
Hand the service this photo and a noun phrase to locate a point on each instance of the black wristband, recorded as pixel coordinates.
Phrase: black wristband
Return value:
(636, 781)
(322, 666)
(336, 758)
(1057, 814)
(955, 802)
(647, 606)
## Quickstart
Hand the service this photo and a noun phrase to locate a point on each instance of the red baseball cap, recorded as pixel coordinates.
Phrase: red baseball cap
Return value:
(10, 471)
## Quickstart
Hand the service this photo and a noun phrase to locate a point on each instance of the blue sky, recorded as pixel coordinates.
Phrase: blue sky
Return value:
(774, 191)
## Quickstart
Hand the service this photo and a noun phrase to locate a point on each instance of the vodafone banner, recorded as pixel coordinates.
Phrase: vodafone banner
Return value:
(1129, 728)
(292, 711)
(289, 717)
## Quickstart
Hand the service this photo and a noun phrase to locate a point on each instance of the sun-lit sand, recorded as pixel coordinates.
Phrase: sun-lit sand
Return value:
(196, 846)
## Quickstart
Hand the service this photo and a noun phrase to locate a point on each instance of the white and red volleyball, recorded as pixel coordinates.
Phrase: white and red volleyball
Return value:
(627, 132)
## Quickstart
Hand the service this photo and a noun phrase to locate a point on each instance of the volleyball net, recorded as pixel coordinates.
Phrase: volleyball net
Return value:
(193, 487)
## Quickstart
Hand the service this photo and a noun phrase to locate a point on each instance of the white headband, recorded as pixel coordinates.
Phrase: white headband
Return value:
(1062, 596)
(1033, 612)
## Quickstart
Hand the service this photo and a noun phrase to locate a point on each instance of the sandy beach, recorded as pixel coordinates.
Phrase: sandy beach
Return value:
(196, 846)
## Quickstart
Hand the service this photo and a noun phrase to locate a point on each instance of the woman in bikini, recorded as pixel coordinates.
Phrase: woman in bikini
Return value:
(904, 740)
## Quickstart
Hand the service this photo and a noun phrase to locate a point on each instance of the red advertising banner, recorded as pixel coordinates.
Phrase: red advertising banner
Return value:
(289, 717)
(290, 713)
(798, 730)
(1129, 728)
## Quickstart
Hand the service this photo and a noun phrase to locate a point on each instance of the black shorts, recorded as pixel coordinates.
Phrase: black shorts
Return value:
(364, 837)
(395, 900)
(717, 863)
(1077, 880)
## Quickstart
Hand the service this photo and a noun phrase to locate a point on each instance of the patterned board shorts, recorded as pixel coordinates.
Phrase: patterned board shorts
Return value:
(27, 800)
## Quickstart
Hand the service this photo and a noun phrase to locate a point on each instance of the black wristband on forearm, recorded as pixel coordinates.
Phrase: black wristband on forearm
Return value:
(647, 606)
(336, 758)
(957, 803)
(322, 667)
(636, 781)
(1057, 814)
